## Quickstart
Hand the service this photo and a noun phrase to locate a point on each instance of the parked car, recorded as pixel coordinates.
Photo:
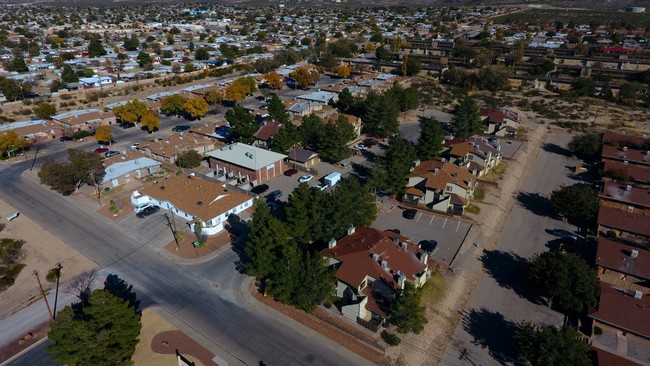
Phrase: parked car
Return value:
(561, 233)
(360, 147)
(181, 128)
(370, 142)
(147, 212)
(274, 196)
(127, 125)
(65, 138)
(111, 153)
(320, 187)
(260, 189)
(396, 231)
(141, 207)
(410, 213)
(101, 150)
(305, 178)
(134, 146)
(291, 172)
(429, 246)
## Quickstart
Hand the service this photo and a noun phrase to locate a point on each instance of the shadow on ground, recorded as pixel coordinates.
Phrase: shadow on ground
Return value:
(510, 271)
(556, 149)
(492, 331)
(536, 203)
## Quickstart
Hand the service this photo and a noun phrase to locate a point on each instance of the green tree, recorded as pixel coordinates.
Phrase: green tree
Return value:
(586, 146)
(132, 43)
(18, 64)
(173, 105)
(577, 202)
(311, 130)
(583, 87)
(267, 235)
(412, 66)
(380, 115)
(11, 143)
(304, 212)
(242, 123)
(144, 58)
(103, 332)
(346, 101)
(466, 119)
(189, 159)
(86, 167)
(229, 52)
(95, 48)
(431, 139)
(68, 75)
(350, 204)
(201, 53)
(131, 112)
(565, 279)
(390, 173)
(45, 110)
(56, 175)
(332, 142)
(189, 67)
(104, 134)
(406, 312)
(277, 111)
(631, 92)
(315, 282)
(543, 345)
(287, 137)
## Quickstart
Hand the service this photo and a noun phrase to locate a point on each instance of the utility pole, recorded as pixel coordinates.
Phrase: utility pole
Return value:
(58, 267)
(35, 273)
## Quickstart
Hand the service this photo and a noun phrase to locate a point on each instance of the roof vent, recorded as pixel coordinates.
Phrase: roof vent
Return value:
(384, 264)
(638, 294)
(624, 148)
(404, 246)
(162, 188)
(634, 253)
(375, 257)
(625, 162)
(628, 187)
(199, 203)
(443, 160)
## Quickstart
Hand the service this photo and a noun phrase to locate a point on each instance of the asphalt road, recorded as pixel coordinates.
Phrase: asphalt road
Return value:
(503, 297)
(206, 297)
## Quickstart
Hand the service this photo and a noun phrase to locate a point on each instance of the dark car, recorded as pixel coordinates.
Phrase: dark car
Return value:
(370, 142)
(428, 245)
(127, 125)
(181, 128)
(273, 196)
(108, 154)
(410, 213)
(396, 231)
(65, 138)
(260, 189)
(147, 212)
(291, 172)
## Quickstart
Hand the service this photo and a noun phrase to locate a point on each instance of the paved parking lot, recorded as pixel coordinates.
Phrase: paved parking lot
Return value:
(448, 232)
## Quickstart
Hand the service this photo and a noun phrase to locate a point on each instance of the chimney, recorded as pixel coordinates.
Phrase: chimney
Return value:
(384, 264)
(332, 243)
(401, 279)
(405, 246)
(634, 253)
(628, 187)
(638, 294)
(624, 148)
(375, 257)
(424, 257)
(351, 230)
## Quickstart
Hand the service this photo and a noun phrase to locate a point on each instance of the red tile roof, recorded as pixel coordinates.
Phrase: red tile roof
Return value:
(635, 172)
(604, 358)
(267, 130)
(621, 220)
(631, 155)
(617, 256)
(629, 194)
(612, 138)
(623, 311)
(355, 252)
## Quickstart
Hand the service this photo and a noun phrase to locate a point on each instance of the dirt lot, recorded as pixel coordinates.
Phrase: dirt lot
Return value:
(42, 250)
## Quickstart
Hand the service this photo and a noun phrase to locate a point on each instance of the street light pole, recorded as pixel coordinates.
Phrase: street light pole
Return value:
(58, 267)
(35, 273)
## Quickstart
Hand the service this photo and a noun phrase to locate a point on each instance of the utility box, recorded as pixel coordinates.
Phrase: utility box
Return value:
(332, 179)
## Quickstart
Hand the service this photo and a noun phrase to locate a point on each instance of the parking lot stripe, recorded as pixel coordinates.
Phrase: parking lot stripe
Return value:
(457, 226)
(418, 220)
(444, 223)
(431, 222)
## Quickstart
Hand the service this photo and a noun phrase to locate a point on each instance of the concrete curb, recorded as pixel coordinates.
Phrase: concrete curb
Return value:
(17, 355)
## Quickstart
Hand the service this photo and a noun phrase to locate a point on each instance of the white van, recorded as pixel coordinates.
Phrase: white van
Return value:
(332, 179)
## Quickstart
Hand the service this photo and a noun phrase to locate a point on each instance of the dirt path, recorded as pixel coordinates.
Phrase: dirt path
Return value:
(42, 250)
(427, 347)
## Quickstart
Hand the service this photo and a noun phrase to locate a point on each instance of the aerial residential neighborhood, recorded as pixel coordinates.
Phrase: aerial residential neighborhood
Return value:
(324, 183)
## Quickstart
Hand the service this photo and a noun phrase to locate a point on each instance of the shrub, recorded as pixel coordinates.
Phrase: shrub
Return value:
(390, 338)
(479, 194)
(473, 209)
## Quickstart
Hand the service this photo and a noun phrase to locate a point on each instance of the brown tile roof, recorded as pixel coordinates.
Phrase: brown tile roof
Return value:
(82, 118)
(604, 358)
(376, 303)
(446, 173)
(631, 155)
(637, 172)
(617, 256)
(176, 143)
(267, 131)
(198, 197)
(623, 311)
(621, 220)
(355, 252)
(46, 128)
(461, 149)
(617, 192)
(612, 138)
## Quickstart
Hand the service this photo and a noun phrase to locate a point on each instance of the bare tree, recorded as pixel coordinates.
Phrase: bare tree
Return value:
(80, 286)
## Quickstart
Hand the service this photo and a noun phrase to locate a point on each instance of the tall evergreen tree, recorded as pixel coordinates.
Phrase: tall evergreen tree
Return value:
(380, 115)
(68, 75)
(287, 137)
(431, 138)
(95, 48)
(315, 282)
(103, 332)
(242, 123)
(406, 312)
(390, 172)
(311, 130)
(277, 111)
(333, 140)
(346, 101)
(303, 211)
(266, 238)
(466, 120)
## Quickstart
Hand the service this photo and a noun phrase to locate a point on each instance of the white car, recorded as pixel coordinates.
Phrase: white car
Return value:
(360, 147)
(305, 178)
(320, 187)
(139, 208)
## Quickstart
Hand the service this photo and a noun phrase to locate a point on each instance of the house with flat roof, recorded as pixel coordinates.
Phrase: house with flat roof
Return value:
(36, 129)
(246, 163)
(371, 265)
(124, 168)
(84, 119)
(195, 200)
(320, 96)
(167, 150)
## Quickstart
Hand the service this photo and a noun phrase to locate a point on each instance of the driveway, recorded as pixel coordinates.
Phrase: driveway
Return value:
(448, 232)
(503, 296)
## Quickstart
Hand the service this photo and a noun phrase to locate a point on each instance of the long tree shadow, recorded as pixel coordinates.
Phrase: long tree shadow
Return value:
(120, 288)
(510, 271)
(492, 331)
(557, 149)
(537, 204)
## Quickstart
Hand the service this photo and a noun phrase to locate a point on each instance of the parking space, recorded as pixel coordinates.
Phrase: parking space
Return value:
(510, 148)
(151, 229)
(447, 231)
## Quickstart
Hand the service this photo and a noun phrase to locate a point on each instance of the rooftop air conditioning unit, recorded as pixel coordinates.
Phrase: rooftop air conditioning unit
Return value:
(638, 294)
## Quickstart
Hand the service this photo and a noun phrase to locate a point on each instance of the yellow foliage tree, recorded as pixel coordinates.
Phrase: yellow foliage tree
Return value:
(150, 121)
(342, 71)
(104, 134)
(10, 142)
(195, 108)
(131, 112)
(302, 76)
(274, 80)
(213, 97)
(236, 92)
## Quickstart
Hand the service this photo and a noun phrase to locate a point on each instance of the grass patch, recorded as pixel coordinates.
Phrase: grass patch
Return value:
(434, 289)
(479, 194)
(473, 209)
(522, 133)
(497, 172)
